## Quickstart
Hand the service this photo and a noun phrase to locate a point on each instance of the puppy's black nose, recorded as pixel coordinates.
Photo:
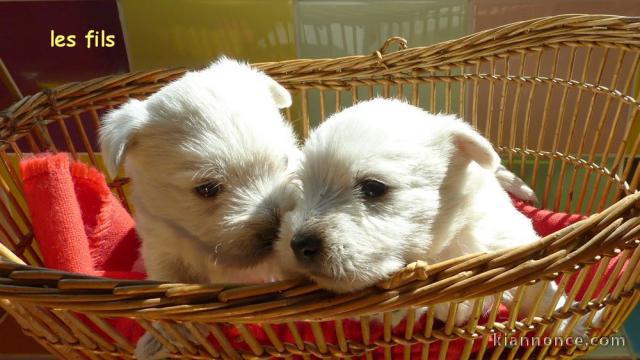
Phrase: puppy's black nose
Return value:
(306, 247)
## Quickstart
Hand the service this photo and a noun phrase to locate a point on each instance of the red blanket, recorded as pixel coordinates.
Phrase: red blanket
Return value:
(81, 227)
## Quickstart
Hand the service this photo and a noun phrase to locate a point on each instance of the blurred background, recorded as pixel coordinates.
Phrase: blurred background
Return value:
(152, 34)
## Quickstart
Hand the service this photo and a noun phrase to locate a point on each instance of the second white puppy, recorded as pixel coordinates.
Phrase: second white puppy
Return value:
(386, 184)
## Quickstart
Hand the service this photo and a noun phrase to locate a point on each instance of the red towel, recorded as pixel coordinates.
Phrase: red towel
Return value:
(78, 223)
(546, 222)
(81, 227)
(353, 332)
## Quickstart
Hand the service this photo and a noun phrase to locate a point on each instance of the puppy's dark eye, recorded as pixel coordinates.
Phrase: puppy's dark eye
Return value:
(373, 188)
(208, 190)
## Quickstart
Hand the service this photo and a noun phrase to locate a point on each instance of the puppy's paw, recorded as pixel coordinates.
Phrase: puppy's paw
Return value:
(582, 328)
(464, 311)
(149, 348)
(514, 185)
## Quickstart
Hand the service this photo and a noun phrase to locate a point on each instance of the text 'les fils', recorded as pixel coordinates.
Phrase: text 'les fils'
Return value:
(93, 39)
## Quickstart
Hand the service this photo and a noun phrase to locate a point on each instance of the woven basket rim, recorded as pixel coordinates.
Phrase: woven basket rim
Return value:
(446, 281)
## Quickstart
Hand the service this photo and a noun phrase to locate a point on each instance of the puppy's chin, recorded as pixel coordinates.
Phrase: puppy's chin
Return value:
(337, 277)
(342, 285)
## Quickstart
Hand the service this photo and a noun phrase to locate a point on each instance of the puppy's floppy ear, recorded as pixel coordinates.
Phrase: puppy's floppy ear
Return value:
(280, 95)
(117, 131)
(473, 145)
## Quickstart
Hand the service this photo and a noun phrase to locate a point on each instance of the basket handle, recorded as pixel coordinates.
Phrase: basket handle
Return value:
(402, 44)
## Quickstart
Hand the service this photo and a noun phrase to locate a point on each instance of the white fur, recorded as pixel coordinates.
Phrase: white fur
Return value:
(445, 198)
(514, 185)
(220, 124)
(441, 175)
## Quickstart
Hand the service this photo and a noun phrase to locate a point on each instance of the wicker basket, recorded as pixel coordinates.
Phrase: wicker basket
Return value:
(555, 95)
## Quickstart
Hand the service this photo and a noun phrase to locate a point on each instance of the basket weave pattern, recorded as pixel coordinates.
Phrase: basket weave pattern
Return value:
(577, 150)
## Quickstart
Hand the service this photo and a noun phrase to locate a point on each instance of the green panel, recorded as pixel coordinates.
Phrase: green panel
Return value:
(327, 29)
(340, 28)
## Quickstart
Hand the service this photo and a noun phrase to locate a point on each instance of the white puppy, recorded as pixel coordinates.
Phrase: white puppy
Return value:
(385, 184)
(210, 159)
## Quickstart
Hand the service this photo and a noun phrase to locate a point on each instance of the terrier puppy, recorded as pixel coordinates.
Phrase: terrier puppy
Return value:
(210, 159)
(385, 184)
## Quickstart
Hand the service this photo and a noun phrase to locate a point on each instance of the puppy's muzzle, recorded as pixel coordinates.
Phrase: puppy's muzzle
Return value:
(252, 243)
(306, 247)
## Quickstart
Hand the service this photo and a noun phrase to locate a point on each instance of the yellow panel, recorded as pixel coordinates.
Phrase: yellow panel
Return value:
(191, 33)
